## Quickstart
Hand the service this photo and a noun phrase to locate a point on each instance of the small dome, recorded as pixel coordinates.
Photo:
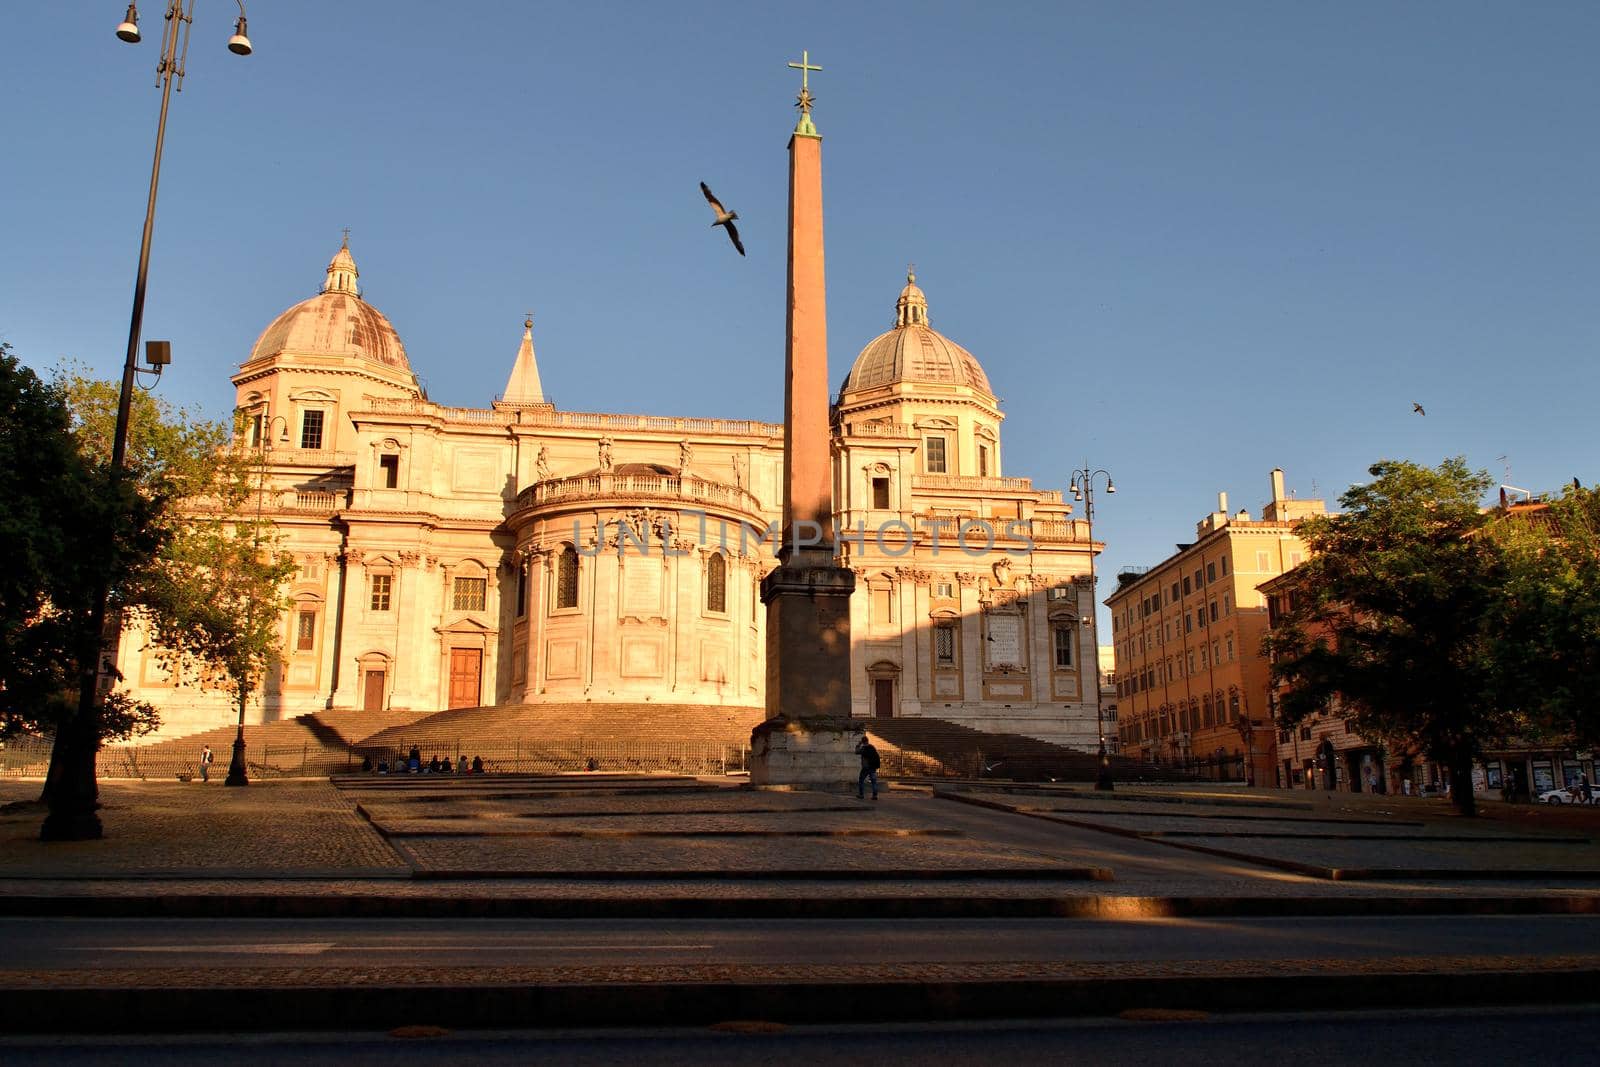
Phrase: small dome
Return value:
(915, 352)
(335, 322)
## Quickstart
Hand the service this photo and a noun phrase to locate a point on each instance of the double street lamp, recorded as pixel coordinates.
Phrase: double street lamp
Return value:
(1082, 486)
(73, 796)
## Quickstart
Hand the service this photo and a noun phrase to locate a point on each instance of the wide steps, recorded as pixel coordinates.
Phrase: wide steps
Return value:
(963, 751)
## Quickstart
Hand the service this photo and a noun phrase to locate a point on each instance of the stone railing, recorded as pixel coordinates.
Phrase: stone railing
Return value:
(309, 457)
(605, 486)
(1060, 530)
(312, 500)
(879, 429)
(577, 420)
(971, 482)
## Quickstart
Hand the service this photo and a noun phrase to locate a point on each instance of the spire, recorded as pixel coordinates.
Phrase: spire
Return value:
(523, 386)
(912, 307)
(342, 273)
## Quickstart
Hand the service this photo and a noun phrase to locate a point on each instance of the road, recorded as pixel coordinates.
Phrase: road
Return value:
(1491, 1038)
(70, 944)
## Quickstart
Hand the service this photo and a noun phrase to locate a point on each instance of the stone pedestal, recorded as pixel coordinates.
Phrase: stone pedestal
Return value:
(809, 737)
(815, 753)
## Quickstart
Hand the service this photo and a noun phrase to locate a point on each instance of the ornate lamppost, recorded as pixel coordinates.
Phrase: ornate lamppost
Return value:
(73, 795)
(1083, 481)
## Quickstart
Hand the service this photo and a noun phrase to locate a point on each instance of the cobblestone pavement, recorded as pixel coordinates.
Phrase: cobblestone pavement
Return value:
(187, 827)
(244, 977)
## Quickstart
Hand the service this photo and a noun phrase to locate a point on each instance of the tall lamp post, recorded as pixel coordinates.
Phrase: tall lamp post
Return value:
(263, 431)
(73, 794)
(1083, 481)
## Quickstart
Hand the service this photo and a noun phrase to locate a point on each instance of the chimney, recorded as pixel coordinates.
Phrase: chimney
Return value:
(1222, 503)
(1277, 484)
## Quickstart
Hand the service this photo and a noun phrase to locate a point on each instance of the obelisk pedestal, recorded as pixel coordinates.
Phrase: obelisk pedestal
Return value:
(808, 737)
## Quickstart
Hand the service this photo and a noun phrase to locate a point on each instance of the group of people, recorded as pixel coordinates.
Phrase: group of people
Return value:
(413, 764)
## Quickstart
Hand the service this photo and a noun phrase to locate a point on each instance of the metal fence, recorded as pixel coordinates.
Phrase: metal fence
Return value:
(25, 757)
(563, 755)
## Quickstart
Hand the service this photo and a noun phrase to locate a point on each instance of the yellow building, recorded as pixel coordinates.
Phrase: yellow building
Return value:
(518, 553)
(1192, 683)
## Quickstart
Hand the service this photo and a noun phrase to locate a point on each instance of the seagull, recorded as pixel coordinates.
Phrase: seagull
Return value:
(724, 217)
(1417, 408)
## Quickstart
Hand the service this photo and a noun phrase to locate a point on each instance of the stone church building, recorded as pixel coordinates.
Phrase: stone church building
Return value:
(518, 553)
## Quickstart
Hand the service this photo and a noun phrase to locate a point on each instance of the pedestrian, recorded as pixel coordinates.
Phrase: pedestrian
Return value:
(1372, 781)
(414, 762)
(477, 764)
(205, 763)
(1405, 786)
(869, 769)
(461, 763)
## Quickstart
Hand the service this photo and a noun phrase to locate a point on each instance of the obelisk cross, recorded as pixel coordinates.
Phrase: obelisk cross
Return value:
(804, 100)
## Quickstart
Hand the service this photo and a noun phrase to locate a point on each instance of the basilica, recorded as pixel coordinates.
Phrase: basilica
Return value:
(518, 553)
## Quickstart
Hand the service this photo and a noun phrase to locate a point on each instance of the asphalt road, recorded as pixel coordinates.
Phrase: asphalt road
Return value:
(1492, 1038)
(66, 944)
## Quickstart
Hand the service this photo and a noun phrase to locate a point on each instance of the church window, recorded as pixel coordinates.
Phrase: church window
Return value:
(880, 493)
(944, 644)
(1063, 636)
(567, 578)
(717, 583)
(944, 591)
(311, 429)
(881, 605)
(1060, 592)
(933, 455)
(382, 590)
(389, 471)
(305, 637)
(470, 594)
(522, 590)
(983, 461)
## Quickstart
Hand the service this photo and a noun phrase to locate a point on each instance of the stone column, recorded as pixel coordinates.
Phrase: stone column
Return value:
(809, 737)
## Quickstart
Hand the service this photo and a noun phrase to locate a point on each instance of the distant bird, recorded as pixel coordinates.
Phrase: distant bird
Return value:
(724, 217)
(1417, 408)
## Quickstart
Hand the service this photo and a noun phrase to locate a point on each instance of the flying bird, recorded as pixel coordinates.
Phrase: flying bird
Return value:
(724, 217)
(1417, 408)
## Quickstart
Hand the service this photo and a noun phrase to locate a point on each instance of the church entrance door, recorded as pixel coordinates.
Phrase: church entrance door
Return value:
(466, 674)
(883, 698)
(372, 695)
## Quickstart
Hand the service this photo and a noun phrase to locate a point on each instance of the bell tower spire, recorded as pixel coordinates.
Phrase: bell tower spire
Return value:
(342, 273)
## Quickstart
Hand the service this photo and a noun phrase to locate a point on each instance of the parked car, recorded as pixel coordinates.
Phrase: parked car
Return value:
(1560, 796)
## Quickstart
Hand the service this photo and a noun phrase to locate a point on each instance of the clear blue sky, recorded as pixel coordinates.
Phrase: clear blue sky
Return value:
(1188, 242)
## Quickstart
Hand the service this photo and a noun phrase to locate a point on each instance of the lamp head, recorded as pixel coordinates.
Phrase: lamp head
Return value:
(1110, 486)
(239, 44)
(129, 30)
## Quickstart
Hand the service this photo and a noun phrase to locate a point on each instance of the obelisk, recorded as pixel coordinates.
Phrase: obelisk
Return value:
(808, 737)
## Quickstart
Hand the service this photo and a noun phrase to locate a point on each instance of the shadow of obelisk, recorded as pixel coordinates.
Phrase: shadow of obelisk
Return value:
(808, 737)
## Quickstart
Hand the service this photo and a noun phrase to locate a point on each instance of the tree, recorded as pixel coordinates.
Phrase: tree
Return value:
(1395, 619)
(173, 540)
(1550, 612)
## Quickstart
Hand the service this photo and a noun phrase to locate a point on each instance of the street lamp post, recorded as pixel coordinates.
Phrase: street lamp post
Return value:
(73, 795)
(1083, 489)
(236, 765)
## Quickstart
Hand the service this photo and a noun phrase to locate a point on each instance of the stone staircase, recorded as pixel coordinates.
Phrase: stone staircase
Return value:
(938, 748)
(316, 744)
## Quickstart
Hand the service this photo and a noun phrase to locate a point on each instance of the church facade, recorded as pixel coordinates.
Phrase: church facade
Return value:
(518, 553)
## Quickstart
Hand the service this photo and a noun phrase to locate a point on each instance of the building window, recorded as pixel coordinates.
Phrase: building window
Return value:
(1187, 588)
(933, 455)
(311, 429)
(389, 471)
(382, 588)
(567, 578)
(1263, 561)
(1063, 643)
(470, 594)
(305, 637)
(1188, 624)
(717, 583)
(1173, 597)
(944, 645)
(983, 461)
(522, 590)
(1230, 648)
(1305, 732)
(1211, 573)
(1199, 578)
(1213, 611)
(945, 591)
(1295, 559)
(880, 493)
(1233, 706)
(881, 605)
(1224, 566)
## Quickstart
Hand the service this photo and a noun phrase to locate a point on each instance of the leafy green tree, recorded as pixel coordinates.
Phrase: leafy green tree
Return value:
(1397, 617)
(1550, 613)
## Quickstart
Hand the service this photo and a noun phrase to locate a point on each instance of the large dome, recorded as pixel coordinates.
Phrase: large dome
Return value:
(915, 352)
(335, 322)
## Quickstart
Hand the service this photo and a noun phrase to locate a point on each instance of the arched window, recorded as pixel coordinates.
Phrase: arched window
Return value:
(716, 583)
(567, 578)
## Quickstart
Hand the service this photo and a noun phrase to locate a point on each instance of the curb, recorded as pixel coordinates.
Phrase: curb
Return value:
(218, 1008)
(1121, 908)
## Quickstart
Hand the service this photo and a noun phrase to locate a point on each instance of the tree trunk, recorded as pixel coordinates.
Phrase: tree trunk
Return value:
(1461, 794)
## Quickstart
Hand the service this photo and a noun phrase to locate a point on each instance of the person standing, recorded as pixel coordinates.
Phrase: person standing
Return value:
(869, 769)
(205, 763)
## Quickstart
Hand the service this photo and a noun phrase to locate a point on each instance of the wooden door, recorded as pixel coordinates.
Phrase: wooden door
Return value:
(883, 698)
(372, 698)
(466, 672)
